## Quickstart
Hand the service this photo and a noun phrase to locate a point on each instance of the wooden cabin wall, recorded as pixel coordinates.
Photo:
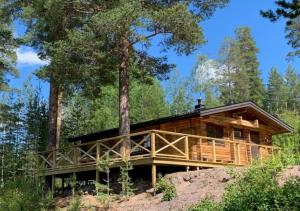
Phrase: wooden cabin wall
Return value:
(197, 126)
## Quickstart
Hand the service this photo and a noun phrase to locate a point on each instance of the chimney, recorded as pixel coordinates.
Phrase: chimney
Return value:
(199, 106)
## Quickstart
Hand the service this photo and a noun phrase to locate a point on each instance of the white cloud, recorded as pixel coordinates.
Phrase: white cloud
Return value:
(26, 56)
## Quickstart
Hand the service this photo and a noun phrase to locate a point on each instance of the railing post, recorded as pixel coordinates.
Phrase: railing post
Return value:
(259, 154)
(153, 154)
(123, 150)
(234, 153)
(97, 160)
(186, 144)
(54, 159)
(214, 151)
(250, 152)
(200, 141)
(97, 152)
(238, 153)
(75, 156)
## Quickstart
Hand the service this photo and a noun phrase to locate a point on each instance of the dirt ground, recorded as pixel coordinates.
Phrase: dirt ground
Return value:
(191, 188)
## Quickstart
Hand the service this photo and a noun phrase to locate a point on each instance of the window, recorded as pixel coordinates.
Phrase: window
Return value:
(214, 131)
(238, 133)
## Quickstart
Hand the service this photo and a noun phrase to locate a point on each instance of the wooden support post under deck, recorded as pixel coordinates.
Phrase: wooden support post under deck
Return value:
(73, 188)
(153, 169)
(97, 176)
(63, 184)
(52, 184)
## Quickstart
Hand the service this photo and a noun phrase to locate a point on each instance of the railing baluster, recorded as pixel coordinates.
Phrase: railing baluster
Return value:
(200, 141)
(259, 154)
(97, 152)
(238, 153)
(250, 152)
(234, 153)
(54, 159)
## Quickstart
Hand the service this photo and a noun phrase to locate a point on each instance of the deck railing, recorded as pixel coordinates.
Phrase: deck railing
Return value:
(155, 144)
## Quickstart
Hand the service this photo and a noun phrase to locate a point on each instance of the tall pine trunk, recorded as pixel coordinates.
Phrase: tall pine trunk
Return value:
(124, 122)
(54, 115)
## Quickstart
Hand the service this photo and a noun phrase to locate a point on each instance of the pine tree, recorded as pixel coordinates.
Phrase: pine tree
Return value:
(104, 165)
(48, 22)
(210, 100)
(8, 46)
(240, 76)
(83, 114)
(115, 28)
(276, 92)
(292, 83)
(125, 180)
(290, 10)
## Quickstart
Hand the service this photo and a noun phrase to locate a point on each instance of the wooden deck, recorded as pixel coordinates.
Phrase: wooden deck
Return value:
(153, 147)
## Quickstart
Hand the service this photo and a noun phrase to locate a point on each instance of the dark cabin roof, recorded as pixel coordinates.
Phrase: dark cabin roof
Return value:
(197, 113)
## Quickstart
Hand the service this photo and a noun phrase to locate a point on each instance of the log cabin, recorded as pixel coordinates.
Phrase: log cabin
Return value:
(230, 135)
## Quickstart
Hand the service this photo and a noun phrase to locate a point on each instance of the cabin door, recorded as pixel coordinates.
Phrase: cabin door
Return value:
(254, 139)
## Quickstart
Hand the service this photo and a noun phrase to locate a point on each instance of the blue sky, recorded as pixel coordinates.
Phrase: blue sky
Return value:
(269, 37)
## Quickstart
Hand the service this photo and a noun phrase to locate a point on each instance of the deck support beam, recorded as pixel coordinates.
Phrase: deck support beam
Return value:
(97, 176)
(153, 170)
(52, 184)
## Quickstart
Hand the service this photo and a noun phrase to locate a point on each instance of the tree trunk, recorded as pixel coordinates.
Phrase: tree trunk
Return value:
(54, 115)
(123, 89)
(124, 123)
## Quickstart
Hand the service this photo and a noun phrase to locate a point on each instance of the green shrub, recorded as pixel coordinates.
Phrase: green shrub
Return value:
(257, 188)
(205, 205)
(165, 187)
(169, 193)
(75, 204)
(23, 195)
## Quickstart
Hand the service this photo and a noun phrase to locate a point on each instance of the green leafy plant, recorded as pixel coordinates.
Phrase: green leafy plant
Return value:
(165, 187)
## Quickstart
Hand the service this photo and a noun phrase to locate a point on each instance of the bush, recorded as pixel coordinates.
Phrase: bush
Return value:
(75, 204)
(165, 187)
(205, 205)
(23, 195)
(257, 188)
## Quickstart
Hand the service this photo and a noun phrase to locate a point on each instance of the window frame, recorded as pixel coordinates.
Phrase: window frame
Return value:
(238, 130)
(217, 135)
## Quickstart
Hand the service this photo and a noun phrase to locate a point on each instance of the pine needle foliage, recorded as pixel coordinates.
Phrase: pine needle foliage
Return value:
(125, 180)
(104, 165)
